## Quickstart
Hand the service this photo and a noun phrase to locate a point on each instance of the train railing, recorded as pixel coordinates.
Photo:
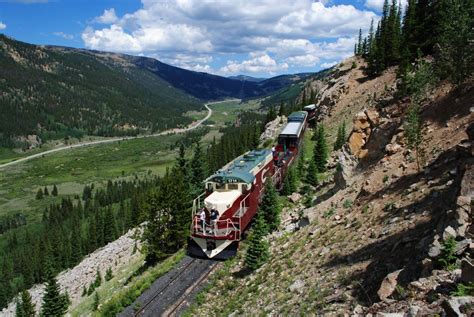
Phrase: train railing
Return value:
(221, 229)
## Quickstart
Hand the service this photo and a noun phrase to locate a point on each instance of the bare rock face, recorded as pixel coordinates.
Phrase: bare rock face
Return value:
(295, 197)
(388, 285)
(345, 168)
(364, 124)
(454, 305)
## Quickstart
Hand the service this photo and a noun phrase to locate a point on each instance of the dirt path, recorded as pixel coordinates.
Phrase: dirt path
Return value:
(183, 130)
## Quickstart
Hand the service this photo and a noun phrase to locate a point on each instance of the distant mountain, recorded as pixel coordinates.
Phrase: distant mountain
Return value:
(246, 78)
(210, 87)
(57, 92)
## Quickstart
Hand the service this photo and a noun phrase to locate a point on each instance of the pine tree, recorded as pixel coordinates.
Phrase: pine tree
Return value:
(110, 226)
(320, 153)
(270, 208)
(98, 279)
(359, 44)
(281, 110)
(19, 309)
(197, 167)
(312, 174)
(54, 303)
(108, 274)
(341, 136)
(455, 59)
(290, 182)
(258, 249)
(39, 194)
(95, 304)
(54, 192)
(46, 192)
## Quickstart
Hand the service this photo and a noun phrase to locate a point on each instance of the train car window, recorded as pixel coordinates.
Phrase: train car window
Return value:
(233, 186)
(220, 186)
(210, 187)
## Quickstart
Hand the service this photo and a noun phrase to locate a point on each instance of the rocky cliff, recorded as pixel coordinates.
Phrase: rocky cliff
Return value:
(379, 237)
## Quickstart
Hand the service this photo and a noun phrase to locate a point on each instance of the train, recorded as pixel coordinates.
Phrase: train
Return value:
(234, 192)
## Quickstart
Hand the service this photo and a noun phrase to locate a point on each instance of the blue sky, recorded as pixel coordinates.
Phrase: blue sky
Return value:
(259, 38)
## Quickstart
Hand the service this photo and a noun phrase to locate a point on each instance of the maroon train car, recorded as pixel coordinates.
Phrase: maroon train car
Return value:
(236, 190)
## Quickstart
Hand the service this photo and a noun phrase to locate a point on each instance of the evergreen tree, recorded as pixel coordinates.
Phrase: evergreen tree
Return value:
(19, 309)
(290, 182)
(455, 59)
(312, 174)
(281, 110)
(359, 44)
(301, 164)
(46, 192)
(197, 167)
(55, 191)
(270, 208)
(95, 304)
(110, 226)
(39, 194)
(258, 249)
(341, 136)
(98, 279)
(54, 303)
(320, 153)
(108, 274)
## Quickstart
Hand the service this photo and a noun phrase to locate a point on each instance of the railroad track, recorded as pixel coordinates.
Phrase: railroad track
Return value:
(169, 294)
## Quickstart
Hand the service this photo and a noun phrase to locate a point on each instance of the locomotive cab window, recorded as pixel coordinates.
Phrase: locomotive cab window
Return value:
(219, 186)
(233, 186)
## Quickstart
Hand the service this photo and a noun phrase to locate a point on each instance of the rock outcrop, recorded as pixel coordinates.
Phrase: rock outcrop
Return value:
(364, 123)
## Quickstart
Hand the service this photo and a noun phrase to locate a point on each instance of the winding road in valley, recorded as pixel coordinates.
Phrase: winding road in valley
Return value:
(78, 145)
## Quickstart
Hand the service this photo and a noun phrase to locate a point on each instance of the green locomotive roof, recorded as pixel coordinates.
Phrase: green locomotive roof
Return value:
(297, 116)
(239, 170)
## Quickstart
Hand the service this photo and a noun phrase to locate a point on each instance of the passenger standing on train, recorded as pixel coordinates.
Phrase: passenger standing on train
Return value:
(202, 219)
(214, 216)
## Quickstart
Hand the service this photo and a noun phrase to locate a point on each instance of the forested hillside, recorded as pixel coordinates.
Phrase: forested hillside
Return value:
(55, 93)
(210, 87)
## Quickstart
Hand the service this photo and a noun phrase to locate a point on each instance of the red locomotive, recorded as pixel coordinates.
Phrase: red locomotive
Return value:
(224, 211)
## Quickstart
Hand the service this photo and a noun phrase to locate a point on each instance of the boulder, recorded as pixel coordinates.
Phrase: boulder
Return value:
(467, 271)
(361, 125)
(453, 306)
(373, 116)
(435, 249)
(295, 197)
(297, 286)
(388, 285)
(392, 148)
(346, 164)
(449, 232)
(356, 142)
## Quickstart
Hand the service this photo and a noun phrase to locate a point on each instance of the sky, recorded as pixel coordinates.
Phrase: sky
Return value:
(259, 38)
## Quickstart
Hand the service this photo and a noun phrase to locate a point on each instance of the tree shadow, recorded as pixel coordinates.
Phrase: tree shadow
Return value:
(404, 249)
(454, 105)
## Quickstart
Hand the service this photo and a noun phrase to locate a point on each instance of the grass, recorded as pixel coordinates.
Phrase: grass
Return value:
(71, 169)
(108, 288)
(115, 301)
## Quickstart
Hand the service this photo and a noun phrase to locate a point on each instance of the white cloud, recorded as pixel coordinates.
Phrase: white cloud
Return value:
(64, 35)
(294, 33)
(328, 65)
(2, 26)
(258, 63)
(377, 5)
(108, 17)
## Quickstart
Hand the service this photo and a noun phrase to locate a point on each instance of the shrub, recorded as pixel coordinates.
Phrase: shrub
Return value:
(347, 203)
(447, 259)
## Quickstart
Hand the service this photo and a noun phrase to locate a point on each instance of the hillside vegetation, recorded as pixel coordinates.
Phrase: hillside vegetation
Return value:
(50, 93)
(56, 93)
(384, 225)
